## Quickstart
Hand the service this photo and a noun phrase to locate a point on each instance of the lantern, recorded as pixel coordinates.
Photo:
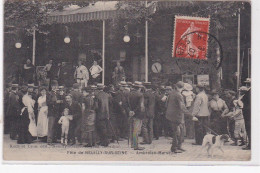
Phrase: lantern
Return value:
(126, 38)
(67, 40)
(18, 45)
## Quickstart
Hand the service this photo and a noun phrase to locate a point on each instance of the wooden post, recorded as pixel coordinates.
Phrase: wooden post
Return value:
(103, 53)
(34, 44)
(238, 51)
(146, 47)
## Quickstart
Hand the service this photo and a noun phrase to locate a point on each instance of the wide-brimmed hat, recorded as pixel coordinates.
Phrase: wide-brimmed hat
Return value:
(14, 86)
(179, 84)
(129, 83)
(123, 84)
(93, 87)
(248, 80)
(75, 86)
(138, 84)
(147, 83)
(243, 88)
(187, 87)
(54, 83)
(100, 86)
(30, 85)
(168, 88)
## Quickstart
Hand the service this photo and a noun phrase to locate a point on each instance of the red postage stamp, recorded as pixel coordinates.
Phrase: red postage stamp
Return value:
(190, 39)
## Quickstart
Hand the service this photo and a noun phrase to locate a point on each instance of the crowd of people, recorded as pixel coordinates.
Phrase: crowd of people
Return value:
(92, 115)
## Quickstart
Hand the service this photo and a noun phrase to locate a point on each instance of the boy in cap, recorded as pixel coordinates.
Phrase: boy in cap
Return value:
(237, 115)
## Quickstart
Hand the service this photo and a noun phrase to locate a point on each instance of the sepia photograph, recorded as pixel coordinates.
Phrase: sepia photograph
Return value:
(126, 80)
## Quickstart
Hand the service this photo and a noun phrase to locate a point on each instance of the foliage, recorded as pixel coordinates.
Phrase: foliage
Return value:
(30, 14)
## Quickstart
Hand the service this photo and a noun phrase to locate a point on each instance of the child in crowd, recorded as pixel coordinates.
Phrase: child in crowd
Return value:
(88, 118)
(237, 115)
(65, 122)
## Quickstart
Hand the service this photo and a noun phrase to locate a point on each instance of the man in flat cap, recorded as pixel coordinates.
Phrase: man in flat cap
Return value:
(13, 111)
(175, 113)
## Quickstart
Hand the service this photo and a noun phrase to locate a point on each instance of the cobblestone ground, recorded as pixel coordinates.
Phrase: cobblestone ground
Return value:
(159, 150)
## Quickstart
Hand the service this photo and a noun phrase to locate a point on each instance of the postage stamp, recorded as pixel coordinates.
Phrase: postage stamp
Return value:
(188, 40)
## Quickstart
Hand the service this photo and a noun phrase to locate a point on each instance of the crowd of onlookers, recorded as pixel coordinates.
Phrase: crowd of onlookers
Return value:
(98, 115)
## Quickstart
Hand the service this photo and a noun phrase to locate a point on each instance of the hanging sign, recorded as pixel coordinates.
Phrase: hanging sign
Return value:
(190, 38)
(203, 80)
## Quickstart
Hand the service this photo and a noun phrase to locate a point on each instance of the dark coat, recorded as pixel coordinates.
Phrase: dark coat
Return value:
(247, 105)
(51, 101)
(102, 105)
(149, 103)
(76, 96)
(136, 99)
(13, 109)
(74, 110)
(176, 107)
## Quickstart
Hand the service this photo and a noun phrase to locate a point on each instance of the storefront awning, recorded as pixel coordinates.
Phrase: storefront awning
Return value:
(98, 11)
(103, 10)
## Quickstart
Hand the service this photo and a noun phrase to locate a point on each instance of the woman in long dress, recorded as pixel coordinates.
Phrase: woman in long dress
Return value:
(27, 125)
(42, 123)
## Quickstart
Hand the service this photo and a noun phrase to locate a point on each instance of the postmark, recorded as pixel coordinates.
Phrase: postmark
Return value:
(211, 57)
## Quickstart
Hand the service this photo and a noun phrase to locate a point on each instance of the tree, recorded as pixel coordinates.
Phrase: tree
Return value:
(32, 14)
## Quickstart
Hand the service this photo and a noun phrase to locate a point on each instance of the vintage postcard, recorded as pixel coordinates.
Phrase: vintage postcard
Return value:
(127, 81)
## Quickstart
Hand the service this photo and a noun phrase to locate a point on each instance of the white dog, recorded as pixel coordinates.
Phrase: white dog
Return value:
(211, 142)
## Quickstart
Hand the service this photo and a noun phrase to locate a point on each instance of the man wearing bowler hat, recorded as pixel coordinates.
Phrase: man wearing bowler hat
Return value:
(136, 113)
(121, 101)
(13, 111)
(102, 114)
(52, 103)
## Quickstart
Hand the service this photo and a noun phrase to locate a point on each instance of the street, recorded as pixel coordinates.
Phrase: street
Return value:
(159, 150)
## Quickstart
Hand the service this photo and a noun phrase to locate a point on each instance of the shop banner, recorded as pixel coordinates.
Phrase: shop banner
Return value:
(203, 80)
